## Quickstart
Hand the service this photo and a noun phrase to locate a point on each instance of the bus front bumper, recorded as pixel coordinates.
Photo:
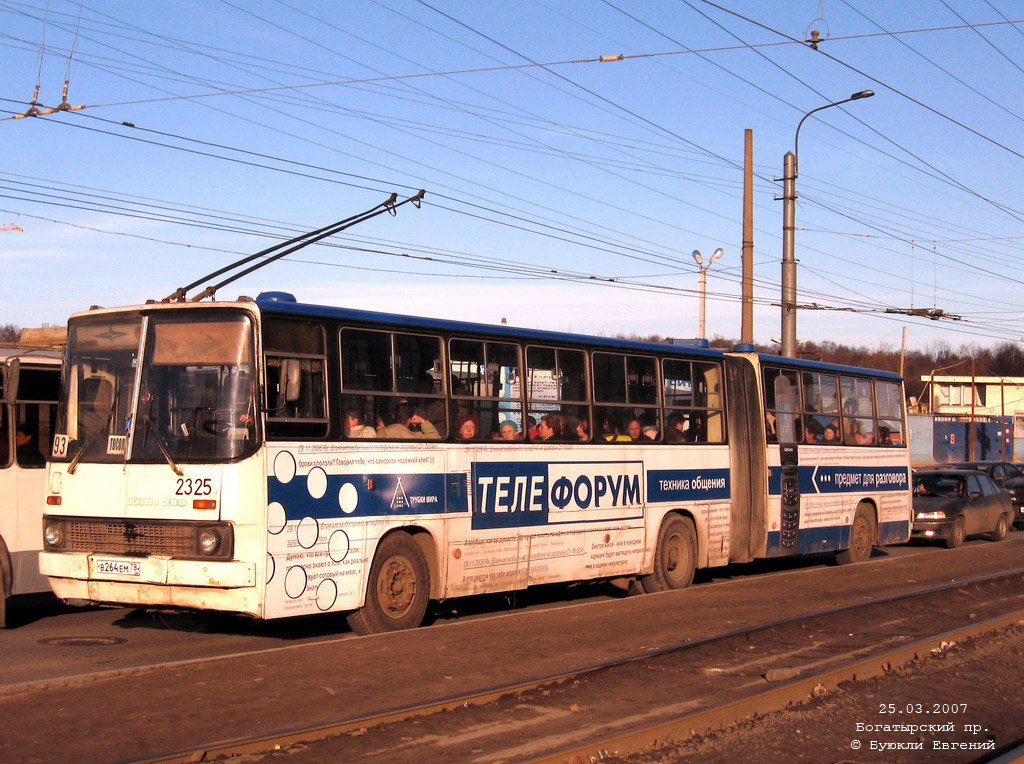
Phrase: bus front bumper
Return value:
(156, 581)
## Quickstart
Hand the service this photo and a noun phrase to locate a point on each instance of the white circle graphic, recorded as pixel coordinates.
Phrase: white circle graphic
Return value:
(348, 498)
(326, 594)
(295, 581)
(338, 546)
(316, 483)
(271, 567)
(284, 466)
(308, 532)
(276, 518)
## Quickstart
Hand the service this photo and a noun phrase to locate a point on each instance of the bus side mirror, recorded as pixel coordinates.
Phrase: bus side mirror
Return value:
(291, 379)
(11, 385)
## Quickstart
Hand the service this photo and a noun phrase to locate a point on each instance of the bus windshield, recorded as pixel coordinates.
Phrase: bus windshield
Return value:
(101, 361)
(196, 392)
(195, 396)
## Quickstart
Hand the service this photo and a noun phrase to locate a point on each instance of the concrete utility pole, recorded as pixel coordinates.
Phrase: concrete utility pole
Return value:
(789, 170)
(747, 257)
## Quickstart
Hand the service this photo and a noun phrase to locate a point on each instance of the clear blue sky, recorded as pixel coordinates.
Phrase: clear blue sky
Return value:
(562, 192)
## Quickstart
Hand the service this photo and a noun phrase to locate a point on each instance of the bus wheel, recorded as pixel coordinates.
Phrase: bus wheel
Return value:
(862, 538)
(6, 582)
(397, 590)
(675, 557)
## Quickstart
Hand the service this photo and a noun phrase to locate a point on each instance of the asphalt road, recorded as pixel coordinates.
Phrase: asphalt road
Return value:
(48, 641)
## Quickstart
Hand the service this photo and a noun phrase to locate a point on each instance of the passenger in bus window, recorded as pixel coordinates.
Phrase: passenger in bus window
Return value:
(830, 434)
(583, 430)
(634, 429)
(355, 427)
(813, 431)
(466, 427)
(676, 424)
(649, 432)
(404, 418)
(509, 431)
(612, 427)
(28, 452)
(531, 430)
(552, 428)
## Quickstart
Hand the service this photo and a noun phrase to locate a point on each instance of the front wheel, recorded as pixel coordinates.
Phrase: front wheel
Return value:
(958, 534)
(1001, 528)
(397, 590)
(862, 538)
(675, 557)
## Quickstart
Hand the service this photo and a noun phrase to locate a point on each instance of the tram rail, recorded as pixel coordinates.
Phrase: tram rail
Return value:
(709, 699)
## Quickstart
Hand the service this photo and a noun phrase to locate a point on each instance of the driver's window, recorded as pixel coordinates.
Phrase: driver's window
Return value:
(296, 380)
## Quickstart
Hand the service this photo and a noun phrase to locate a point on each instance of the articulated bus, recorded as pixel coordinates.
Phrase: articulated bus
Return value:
(29, 391)
(272, 458)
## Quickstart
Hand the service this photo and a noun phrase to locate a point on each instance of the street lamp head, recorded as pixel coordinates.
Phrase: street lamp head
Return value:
(697, 257)
(717, 254)
(862, 94)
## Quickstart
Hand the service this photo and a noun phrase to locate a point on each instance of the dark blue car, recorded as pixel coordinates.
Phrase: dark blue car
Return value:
(952, 504)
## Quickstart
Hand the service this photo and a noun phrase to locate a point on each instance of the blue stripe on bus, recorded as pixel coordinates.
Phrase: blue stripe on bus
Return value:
(844, 479)
(687, 485)
(523, 494)
(832, 538)
(409, 494)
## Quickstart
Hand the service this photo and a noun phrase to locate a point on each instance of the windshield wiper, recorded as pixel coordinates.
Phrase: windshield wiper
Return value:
(158, 436)
(91, 440)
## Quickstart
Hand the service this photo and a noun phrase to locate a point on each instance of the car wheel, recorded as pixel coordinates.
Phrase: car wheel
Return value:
(1001, 528)
(958, 534)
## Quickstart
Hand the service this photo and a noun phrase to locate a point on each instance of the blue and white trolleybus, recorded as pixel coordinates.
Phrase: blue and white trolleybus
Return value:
(272, 458)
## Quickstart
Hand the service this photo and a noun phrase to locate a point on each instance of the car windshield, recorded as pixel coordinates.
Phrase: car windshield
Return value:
(938, 485)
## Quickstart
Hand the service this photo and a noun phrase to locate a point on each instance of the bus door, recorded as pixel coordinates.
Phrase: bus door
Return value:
(748, 497)
(30, 403)
(782, 407)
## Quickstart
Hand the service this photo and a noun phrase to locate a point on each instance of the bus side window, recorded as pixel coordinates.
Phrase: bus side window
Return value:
(296, 363)
(32, 423)
(5, 436)
(782, 406)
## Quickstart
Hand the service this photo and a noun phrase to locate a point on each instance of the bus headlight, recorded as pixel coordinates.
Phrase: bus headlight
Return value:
(53, 534)
(208, 541)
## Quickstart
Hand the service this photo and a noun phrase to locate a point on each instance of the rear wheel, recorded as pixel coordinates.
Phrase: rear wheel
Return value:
(6, 582)
(958, 534)
(397, 590)
(1001, 528)
(675, 557)
(862, 538)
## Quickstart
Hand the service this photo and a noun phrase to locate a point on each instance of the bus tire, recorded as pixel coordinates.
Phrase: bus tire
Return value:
(862, 537)
(675, 557)
(6, 582)
(397, 590)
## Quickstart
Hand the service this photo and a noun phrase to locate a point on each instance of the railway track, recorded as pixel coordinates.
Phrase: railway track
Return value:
(640, 701)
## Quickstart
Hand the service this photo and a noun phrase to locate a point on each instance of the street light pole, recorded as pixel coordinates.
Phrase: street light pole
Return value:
(789, 169)
(704, 281)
